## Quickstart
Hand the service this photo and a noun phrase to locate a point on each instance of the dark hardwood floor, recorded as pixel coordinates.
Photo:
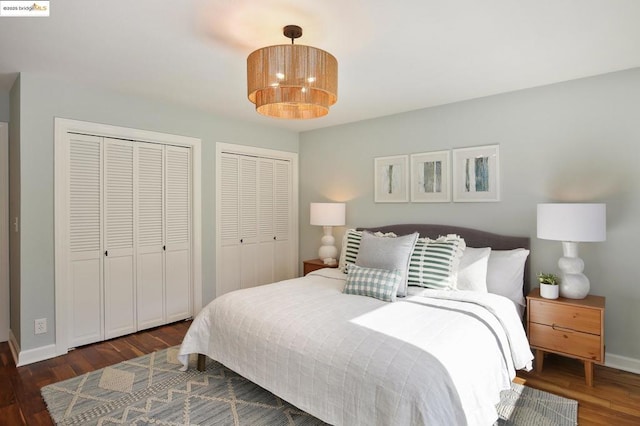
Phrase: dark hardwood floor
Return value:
(20, 400)
(614, 399)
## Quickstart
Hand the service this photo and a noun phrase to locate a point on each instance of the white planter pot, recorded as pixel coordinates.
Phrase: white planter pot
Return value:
(549, 291)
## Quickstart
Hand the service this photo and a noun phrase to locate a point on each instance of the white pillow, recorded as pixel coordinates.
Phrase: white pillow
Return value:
(505, 273)
(472, 270)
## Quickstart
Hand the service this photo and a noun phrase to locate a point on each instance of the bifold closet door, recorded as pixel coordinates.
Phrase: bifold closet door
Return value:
(119, 259)
(239, 228)
(266, 247)
(274, 218)
(255, 226)
(129, 240)
(85, 243)
(178, 233)
(150, 271)
(229, 267)
(163, 183)
(249, 247)
(282, 196)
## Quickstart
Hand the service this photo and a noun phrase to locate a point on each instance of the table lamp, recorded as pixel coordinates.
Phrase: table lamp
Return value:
(328, 215)
(572, 223)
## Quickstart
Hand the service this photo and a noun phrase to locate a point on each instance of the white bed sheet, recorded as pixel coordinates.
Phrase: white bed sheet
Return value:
(434, 357)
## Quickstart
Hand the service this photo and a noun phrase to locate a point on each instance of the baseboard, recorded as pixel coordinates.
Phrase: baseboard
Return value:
(620, 362)
(32, 355)
(14, 346)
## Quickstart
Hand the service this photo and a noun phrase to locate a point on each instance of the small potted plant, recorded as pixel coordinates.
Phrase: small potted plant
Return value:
(549, 288)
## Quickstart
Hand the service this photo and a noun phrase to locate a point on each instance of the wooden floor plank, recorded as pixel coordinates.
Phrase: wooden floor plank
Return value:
(11, 415)
(613, 400)
(608, 402)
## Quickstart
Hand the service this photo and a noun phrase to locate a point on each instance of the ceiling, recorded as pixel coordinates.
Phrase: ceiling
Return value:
(393, 56)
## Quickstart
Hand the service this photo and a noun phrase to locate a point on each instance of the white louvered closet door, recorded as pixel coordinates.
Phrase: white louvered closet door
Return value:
(119, 259)
(283, 194)
(255, 222)
(228, 276)
(150, 271)
(129, 237)
(178, 233)
(266, 232)
(85, 243)
(248, 191)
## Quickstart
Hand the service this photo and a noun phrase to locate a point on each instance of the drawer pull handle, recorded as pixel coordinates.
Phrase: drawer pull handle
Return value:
(560, 328)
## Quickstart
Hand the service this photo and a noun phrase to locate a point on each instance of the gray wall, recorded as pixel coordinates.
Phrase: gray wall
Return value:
(42, 99)
(4, 107)
(574, 141)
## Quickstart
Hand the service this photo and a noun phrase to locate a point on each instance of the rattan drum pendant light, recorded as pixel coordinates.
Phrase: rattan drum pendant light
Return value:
(292, 81)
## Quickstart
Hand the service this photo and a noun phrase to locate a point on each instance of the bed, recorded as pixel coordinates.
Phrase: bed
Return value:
(433, 357)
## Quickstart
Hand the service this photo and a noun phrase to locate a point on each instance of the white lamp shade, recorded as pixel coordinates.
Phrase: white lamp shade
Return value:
(327, 214)
(575, 222)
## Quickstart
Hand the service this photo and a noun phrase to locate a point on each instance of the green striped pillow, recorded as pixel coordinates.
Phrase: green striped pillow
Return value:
(434, 263)
(372, 282)
(351, 246)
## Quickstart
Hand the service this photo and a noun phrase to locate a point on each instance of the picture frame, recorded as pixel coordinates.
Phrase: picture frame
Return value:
(430, 177)
(391, 177)
(476, 174)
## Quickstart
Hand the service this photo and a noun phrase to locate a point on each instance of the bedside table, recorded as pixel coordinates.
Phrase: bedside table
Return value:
(569, 327)
(315, 264)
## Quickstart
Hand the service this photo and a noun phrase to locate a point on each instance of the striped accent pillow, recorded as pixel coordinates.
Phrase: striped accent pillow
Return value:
(371, 282)
(351, 246)
(434, 263)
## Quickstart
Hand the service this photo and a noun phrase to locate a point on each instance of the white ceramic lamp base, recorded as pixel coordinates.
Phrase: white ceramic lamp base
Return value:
(328, 251)
(573, 283)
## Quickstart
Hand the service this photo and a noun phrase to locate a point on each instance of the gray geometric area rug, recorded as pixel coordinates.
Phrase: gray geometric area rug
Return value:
(151, 390)
(525, 406)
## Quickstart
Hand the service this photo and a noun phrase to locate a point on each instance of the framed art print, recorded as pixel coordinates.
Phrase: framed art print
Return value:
(476, 174)
(430, 177)
(391, 175)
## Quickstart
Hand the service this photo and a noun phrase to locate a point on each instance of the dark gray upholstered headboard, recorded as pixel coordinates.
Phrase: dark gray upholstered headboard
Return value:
(472, 237)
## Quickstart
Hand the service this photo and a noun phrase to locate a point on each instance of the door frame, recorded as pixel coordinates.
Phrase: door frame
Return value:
(5, 304)
(253, 151)
(61, 233)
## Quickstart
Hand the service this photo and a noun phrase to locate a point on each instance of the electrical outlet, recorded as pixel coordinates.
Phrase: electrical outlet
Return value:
(40, 326)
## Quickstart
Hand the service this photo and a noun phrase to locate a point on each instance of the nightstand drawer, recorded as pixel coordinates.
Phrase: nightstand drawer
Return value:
(567, 316)
(566, 341)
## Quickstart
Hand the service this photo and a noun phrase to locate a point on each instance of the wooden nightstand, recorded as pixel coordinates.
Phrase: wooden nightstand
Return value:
(569, 327)
(315, 264)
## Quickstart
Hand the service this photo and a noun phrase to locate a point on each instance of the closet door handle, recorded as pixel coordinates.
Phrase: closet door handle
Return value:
(274, 238)
(164, 248)
(106, 252)
(241, 240)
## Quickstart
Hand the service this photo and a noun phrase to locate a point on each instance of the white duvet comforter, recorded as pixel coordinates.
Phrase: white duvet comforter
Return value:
(431, 358)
